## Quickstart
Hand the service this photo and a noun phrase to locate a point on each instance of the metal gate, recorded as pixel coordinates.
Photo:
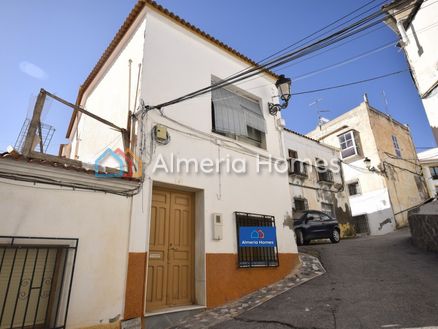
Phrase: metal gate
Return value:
(361, 224)
(35, 281)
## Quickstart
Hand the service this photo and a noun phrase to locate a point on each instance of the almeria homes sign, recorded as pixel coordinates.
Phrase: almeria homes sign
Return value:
(257, 236)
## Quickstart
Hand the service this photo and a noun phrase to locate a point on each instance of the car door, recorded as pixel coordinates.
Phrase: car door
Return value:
(327, 225)
(313, 221)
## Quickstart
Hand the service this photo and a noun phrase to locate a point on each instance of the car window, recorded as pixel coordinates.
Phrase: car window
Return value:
(325, 217)
(314, 216)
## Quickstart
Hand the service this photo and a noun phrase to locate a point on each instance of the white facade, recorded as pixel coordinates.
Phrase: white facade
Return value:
(429, 161)
(100, 222)
(307, 188)
(175, 61)
(418, 28)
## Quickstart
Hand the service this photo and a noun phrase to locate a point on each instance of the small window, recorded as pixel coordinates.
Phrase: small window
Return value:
(324, 173)
(354, 188)
(256, 256)
(327, 208)
(434, 172)
(349, 143)
(300, 204)
(296, 167)
(396, 146)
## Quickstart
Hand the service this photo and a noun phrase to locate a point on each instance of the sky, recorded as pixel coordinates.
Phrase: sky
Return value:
(54, 44)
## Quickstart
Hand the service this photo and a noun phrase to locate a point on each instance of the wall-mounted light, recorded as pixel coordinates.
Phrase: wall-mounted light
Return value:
(283, 85)
(367, 162)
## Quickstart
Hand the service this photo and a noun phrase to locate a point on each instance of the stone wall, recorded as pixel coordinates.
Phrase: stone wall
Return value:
(424, 226)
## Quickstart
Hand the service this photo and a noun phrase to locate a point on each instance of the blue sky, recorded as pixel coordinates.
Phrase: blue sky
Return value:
(54, 44)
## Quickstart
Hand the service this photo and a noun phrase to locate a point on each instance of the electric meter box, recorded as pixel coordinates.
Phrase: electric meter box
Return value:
(218, 226)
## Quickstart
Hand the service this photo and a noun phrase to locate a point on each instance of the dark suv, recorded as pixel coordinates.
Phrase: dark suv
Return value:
(312, 224)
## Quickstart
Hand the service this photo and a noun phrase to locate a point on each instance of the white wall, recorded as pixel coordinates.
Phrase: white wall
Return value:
(100, 222)
(425, 28)
(429, 159)
(376, 205)
(422, 54)
(108, 98)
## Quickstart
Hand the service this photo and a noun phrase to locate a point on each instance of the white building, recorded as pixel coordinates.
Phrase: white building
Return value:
(415, 22)
(429, 161)
(184, 224)
(311, 186)
(65, 233)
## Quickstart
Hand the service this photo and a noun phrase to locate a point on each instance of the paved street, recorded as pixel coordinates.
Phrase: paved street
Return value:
(372, 282)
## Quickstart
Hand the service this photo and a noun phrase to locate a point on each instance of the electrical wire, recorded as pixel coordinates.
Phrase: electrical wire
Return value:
(296, 43)
(357, 27)
(349, 83)
(347, 61)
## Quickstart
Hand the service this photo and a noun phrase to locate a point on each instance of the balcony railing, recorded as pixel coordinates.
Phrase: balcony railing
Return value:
(325, 175)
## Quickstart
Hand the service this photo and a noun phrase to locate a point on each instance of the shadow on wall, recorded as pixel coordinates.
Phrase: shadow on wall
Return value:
(345, 220)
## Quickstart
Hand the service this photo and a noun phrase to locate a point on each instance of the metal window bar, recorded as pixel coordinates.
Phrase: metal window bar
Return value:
(36, 275)
(260, 256)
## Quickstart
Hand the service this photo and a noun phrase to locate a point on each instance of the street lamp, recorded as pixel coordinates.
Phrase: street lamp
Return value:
(283, 86)
(367, 162)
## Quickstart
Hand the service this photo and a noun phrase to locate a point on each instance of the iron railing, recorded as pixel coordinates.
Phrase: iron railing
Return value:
(259, 256)
(35, 281)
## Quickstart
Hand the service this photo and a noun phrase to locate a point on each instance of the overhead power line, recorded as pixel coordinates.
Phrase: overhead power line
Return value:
(349, 83)
(346, 32)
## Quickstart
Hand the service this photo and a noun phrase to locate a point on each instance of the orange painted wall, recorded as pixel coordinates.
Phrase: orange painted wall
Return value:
(135, 285)
(227, 282)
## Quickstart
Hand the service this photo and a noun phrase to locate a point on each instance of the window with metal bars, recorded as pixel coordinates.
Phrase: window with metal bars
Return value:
(255, 256)
(35, 281)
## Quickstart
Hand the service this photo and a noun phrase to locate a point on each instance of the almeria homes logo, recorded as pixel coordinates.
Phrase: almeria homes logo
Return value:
(126, 164)
(255, 236)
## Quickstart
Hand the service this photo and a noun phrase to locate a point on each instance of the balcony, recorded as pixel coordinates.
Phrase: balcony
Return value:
(325, 175)
(297, 168)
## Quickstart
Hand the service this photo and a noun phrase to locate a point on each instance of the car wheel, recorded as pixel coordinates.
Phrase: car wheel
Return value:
(336, 237)
(299, 237)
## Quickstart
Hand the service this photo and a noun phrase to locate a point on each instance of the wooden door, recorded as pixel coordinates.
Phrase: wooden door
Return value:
(170, 279)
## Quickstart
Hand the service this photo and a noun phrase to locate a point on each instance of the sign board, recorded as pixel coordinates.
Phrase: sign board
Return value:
(134, 323)
(257, 236)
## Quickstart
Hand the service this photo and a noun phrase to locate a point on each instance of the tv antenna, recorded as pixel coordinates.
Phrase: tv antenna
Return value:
(321, 119)
(385, 99)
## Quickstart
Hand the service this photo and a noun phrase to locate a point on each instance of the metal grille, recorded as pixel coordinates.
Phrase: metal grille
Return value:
(35, 281)
(361, 224)
(260, 256)
(43, 138)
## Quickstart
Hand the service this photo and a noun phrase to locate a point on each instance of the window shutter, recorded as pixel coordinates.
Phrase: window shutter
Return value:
(234, 113)
(227, 115)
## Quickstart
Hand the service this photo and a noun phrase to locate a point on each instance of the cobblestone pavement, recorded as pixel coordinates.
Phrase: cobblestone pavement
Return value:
(310, 268)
